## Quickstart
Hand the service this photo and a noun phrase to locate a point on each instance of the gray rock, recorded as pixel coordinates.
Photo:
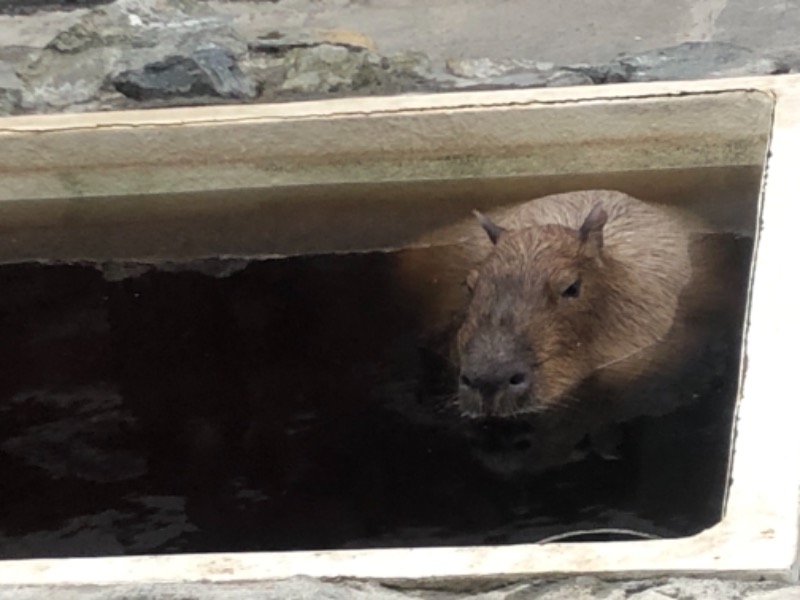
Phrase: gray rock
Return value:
(267, 70)
(10, 89)
(17, 56)
(85, 35)
(329, 68)
(278, 43)
(691, 60)
(211, 72)
(485, 74)
(609, 73)
(695, 60)
(484, 68)
(80, 65)
(411, 66)
(56, 81)
(515, 80)
(219, 65)
(315, 63)
(322, 68)
(568, 77)
(789, 59)
(170, 52)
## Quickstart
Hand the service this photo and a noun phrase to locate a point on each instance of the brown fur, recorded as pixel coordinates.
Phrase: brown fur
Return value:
(644, 272)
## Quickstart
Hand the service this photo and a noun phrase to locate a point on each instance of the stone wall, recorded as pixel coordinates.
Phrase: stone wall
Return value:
(148, 53)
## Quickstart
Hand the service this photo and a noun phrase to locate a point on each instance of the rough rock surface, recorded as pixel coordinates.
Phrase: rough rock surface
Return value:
(580, 588)
(207, 72)
(514, 73)
(10, 89)
(696, 60)
(690, 60)
(147, 53)
(136, 45)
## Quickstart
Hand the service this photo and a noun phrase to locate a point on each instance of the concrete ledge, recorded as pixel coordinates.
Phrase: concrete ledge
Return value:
(124, 182)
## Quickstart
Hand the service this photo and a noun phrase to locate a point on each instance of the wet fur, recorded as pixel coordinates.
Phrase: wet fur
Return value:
(656, 285)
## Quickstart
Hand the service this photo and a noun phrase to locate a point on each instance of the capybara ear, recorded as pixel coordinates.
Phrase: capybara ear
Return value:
(591, 232)
(492, 229)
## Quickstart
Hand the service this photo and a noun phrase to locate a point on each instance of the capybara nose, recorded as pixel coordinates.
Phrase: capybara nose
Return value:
(489, 383)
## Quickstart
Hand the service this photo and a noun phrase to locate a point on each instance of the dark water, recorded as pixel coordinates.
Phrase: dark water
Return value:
(294, 405)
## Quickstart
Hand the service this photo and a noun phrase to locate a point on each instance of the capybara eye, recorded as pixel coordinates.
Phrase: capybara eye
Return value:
(517, 379)
(573, 291)
(465, 381)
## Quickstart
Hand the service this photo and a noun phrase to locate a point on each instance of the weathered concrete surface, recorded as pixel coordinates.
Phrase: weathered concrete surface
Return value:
(580, 588)
(764, 25)
(580, 31)
(140, 53)
(562, 32)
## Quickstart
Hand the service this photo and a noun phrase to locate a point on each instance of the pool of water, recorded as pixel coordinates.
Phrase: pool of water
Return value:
(297, 404)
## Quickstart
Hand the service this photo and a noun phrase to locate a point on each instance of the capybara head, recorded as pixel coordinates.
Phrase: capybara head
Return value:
(537, 305)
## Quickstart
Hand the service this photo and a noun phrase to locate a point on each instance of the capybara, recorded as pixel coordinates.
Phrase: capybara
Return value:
(581, 297)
